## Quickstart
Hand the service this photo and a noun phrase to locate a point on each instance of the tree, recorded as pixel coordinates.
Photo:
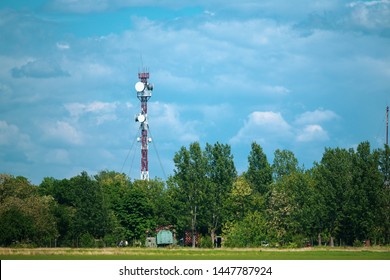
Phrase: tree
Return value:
(221, 173)
(292, 208)
(240, 199)
(251, 231)
(285, 163)
(259, 173)
(82, 211)
(363, 205)
(92, 211)
(25, 216)
(384, 196)
(334, 177)
(190, 178)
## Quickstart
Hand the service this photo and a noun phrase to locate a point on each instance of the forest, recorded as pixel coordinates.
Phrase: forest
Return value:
(343, 200)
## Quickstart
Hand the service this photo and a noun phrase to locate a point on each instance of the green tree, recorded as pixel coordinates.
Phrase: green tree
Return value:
(363, 199)
(334, 177)
(285, 163)
(251, 231)
(114, 186)
(383, 227)
(259, 173)
(292, 208)
(92, 211)
(82, 209)
(65, 210)
(190, 180)
(240, 199)
(221, 173)
(25, 216)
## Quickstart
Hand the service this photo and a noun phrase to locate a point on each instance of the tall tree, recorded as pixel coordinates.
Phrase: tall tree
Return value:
(221, 173)
(384, 216)
(292, 208)
(259, 173)
(363, 205)
(240, 199)
(190, 178)
(334, 177)
(25, 216)
(285, 163)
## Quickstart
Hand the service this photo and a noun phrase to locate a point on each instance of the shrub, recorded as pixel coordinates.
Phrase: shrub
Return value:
(86, 240)
(357, 243)
(205, 242)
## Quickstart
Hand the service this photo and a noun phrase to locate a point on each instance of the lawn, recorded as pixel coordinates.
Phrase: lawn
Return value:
(372, 253)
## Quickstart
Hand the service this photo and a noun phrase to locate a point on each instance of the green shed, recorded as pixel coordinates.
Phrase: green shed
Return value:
(164, 237)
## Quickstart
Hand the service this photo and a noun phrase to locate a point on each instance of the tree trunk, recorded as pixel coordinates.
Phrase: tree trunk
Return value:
(212, 233)
(331, 241)
(319, 239)
(193, 226)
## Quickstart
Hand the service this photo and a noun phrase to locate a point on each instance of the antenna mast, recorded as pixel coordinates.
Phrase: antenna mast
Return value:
(144, 92)
(387, 125)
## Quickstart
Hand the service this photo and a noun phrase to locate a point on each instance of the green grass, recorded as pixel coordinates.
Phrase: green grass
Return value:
(195, 254)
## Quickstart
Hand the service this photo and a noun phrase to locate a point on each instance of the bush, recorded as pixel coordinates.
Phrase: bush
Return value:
(205, 242)
(249, 232)
(292, 245)
(86, 240)
(23, 245)
(357, 243)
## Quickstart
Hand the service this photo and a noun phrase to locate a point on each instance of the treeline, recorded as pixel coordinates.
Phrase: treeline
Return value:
(342, 200)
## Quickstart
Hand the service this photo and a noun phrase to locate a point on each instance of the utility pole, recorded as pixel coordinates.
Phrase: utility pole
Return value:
(387, 125)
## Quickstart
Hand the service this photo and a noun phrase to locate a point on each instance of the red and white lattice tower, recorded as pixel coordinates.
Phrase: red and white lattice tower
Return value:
(144, 92)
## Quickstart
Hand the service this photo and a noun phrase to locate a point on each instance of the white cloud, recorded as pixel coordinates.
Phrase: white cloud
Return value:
(166, 120)
(271, 127)
(5, 90)
(10, 134)
(57, 156)
(209, 13)
(262, 125)
(278, 90)
(169, 80)
(315, 117)
(63, 46)
(370, 15)
(367, 3)
(64, 132)
(102, 111)
(41, 68)
(312, 133)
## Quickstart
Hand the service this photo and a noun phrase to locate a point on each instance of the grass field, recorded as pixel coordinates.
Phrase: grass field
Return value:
(372, 253)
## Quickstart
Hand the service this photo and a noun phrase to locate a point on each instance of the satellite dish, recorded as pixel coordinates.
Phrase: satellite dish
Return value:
(139, 86)
(141, 118)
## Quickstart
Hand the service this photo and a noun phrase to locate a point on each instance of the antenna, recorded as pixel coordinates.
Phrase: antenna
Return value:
(144, 93)
(387, 125)
(142, 61)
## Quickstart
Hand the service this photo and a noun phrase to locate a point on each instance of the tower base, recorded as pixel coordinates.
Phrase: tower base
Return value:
(145, 175)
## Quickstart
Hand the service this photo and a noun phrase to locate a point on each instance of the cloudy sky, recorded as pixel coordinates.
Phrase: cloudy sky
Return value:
(299, 75)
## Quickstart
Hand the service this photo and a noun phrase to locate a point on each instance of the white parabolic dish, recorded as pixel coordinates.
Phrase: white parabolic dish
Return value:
(139, 86)
(141, 118)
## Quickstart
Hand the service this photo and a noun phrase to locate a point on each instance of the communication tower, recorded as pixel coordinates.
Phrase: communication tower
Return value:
(144, 92)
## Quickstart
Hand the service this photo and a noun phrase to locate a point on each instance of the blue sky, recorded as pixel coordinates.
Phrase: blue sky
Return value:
(297, 75)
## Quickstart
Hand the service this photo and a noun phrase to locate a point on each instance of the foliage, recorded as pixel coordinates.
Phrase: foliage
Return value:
(190, 181)
(205, 242)
(248, 232)
(25, 217)
(344, 199)
(259, 173)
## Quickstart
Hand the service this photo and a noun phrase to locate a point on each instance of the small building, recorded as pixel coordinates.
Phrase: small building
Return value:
(150, 242)
(164, 238)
